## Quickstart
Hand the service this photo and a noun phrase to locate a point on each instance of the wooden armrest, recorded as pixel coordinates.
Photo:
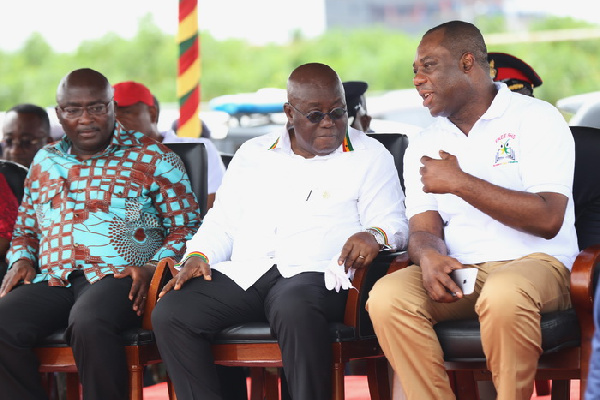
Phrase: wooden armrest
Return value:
(582, 279)
(351, 316)
(582, 298)
(161, 276)
(365, 278)
(582, 290)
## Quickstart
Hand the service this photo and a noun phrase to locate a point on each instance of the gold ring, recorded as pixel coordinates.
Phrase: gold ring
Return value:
(361, 256)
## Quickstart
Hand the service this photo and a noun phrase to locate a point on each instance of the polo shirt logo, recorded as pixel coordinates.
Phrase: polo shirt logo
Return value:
(505, 154)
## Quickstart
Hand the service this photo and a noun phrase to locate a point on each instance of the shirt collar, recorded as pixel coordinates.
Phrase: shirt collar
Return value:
(120, 138)
(500, 103)
(284, 143)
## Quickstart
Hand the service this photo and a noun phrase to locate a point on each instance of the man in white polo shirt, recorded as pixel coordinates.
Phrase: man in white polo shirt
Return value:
(488, 186)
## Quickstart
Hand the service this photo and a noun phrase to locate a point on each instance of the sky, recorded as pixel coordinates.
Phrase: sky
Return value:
(66, 23)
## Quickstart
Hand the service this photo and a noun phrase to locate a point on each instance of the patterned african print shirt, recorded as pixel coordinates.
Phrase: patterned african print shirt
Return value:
(123, 207)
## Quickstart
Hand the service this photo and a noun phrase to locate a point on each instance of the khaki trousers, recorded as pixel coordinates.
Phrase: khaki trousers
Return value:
(509, 297)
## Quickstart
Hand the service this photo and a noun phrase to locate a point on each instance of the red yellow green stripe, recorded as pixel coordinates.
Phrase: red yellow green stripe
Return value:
(193, 254)
(274, 145)
(383, 233)
(188, 78)
(346, 144)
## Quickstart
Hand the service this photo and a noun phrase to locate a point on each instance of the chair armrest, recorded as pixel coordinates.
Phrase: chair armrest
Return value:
(364, 279)
(161, 276)
(582, 279)
(582, 288)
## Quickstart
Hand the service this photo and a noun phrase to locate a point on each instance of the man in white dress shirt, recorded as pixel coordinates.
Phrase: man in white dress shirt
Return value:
(292, 204)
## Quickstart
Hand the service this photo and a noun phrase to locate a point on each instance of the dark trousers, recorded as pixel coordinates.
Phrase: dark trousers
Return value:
(95, 315)
(298, 310)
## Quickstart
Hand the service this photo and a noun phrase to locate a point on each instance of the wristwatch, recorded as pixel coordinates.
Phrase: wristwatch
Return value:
(379, 237)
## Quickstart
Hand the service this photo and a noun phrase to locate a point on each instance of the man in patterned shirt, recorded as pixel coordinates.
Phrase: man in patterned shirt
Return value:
(101, 206)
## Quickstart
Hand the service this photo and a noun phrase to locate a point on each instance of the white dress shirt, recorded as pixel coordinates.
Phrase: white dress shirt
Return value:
(276, 207)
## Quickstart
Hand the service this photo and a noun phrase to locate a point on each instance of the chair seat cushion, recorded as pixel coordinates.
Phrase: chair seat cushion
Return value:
(131, 337)
(261, 332)
(461, 339)
(255, 332)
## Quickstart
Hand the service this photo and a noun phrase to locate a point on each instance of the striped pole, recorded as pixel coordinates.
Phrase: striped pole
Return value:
(188, 77)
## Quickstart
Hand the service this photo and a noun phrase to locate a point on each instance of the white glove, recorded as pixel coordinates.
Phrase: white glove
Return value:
(336, 277)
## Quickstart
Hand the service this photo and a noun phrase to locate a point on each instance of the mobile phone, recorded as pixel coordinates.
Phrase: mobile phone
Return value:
(465, 279)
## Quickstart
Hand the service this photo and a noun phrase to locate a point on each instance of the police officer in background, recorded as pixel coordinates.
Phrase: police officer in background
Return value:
(357, 105)
(516, 73)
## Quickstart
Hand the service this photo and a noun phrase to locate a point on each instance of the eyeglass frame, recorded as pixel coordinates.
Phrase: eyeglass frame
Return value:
(321, 115)
(85, 108)
(9, 143)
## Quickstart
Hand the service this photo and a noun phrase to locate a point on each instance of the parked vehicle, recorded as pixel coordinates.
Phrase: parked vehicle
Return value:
(583, 109)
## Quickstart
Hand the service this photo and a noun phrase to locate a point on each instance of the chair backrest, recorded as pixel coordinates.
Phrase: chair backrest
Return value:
(396, 143)
(195, 161)
(226, 157)
(15, 174)
(586, 185)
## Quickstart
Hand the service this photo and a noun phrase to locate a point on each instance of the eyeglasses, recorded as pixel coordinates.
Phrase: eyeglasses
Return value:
(316, 116)
(71, 112)
(23, 143)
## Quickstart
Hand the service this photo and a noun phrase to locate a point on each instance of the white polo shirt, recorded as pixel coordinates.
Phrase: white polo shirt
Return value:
(276, 207)
(520, 143)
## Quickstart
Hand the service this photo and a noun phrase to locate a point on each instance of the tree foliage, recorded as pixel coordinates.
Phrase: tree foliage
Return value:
(381, 57)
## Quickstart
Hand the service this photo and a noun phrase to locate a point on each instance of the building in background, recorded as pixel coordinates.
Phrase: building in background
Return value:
(410, 16)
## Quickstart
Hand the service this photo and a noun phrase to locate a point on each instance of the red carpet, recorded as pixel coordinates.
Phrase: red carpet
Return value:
(356, 389)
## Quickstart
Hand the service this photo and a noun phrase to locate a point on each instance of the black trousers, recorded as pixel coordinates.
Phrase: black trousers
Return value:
(298, 310)
(95, 315)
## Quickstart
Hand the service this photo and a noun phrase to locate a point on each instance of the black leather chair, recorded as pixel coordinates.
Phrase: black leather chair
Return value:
(566, 335)
(54, 353)
(396, 143)
(252, 345)
(195, 161)
(226, 157)
(15, 174)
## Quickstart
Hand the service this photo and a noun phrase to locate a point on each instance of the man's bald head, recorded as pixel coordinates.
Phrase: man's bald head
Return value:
(86, 111)
(462, 37)
(83, 78)
(313, 74)
(316, 110)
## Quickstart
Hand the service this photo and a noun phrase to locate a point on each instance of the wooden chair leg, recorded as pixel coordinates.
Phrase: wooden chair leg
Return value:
(73, 386)
(271, 383)
(542, 387)
(50, 385)
(136, 382)
(378, 378)
(465, 386)
(257, 383)
(337, 381)
(561, 390)
(170, 389)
